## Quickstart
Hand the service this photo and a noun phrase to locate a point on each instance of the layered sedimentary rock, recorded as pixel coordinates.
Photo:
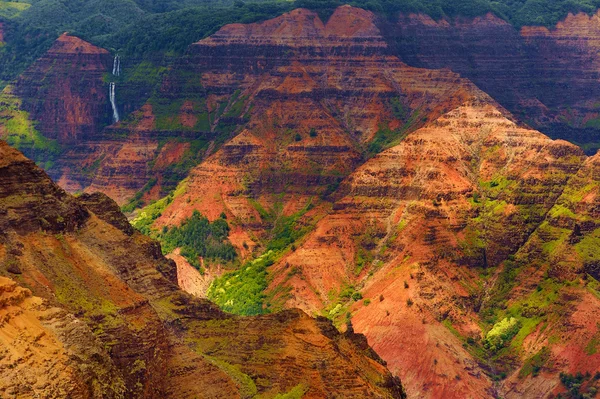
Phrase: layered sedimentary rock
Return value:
(132, 157)
(307, 90)
(64, 90)
(90, 309)
(414, 233)
(547, 77)
(315, 96)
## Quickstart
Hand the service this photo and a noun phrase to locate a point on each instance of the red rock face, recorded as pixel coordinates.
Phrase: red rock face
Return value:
(414, 217)
(545, 77)
(64, 90)
(312, 96)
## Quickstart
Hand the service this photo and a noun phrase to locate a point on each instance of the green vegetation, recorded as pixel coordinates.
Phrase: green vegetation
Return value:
(286, 229)
(242, 291)
(502, 333)
(592, 347)
(534, 364)
(149, 214)
(350, 293)
(385, 137)
(19, 131)
(579, 386)
(11, 9)
(296, 393)
(198, 237)
(136, 201)
(244, 382)
(159, 30)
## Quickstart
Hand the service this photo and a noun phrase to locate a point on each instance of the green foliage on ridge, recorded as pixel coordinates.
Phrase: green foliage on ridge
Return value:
(198, 237)
(152, 29)
(17, 129)
(242, 291)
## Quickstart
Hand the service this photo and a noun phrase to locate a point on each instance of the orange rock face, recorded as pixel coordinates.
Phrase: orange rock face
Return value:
(415, 224)
(47, 350)
(411, 228)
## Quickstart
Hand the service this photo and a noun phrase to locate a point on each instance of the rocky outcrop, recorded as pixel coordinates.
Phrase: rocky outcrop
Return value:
(107, 320)
(107, 210)
(64, 90)
(31, 202)
(45, 351)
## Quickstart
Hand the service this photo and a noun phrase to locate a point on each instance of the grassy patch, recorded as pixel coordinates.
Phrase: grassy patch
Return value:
(534, 364)
(243, 381)
(242, 291)
(592, 346)
(296, 393)
(11, 9)
(18, 130)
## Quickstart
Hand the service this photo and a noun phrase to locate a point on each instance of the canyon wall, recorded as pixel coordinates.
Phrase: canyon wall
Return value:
(545, 77)
(428, 245)
(315, 98)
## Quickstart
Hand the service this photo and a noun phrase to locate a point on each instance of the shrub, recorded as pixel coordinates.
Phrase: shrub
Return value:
(501, 333)
(242, 291)
(198, 237)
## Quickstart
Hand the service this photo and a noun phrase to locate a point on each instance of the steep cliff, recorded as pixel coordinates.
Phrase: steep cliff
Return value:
(64, 90)
(90, 309)
(257, 78)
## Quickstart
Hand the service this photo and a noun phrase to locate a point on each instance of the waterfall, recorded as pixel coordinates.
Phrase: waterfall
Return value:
(113, 102)
(116, 66)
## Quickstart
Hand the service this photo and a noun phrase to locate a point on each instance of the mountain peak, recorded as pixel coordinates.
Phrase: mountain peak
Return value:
(301, 28)
(9, 155)
(72, 44)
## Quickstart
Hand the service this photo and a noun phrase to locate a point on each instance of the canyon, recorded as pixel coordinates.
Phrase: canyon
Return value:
(426, 232)
(430, 188)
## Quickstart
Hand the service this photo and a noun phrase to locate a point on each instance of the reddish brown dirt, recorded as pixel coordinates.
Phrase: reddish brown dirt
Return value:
(190, 279)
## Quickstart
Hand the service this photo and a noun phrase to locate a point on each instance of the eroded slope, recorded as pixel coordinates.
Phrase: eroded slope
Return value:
(105, 284)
